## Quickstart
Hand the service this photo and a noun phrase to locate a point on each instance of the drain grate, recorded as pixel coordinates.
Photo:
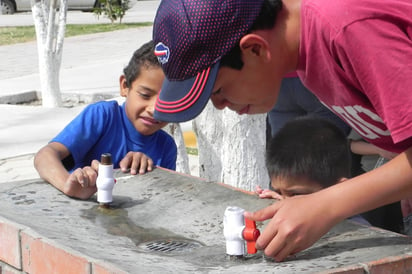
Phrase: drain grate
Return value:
(170, 246)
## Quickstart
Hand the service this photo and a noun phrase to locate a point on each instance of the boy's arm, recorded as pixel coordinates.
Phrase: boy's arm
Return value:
(364, 148)
(300, 221)
(79, 184)
(48, 163)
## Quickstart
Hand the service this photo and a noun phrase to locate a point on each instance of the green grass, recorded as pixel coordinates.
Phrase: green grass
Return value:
(13, 35)
(192, 150)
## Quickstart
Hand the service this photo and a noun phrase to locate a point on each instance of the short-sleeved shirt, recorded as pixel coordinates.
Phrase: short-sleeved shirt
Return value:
(356, 57)
(103, 127)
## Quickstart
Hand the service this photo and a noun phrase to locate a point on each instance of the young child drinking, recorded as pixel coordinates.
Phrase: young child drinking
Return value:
(306, 155)
(128, 132)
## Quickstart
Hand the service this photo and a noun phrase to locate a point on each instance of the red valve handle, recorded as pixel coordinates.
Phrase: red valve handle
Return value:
(250, 234)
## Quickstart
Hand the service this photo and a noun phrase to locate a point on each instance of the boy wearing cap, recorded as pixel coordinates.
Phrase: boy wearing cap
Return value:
(355, 56)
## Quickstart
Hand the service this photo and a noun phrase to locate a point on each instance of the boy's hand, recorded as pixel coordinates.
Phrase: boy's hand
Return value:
(81, 183)
(137, 162)
(293, 227)
(267, 193)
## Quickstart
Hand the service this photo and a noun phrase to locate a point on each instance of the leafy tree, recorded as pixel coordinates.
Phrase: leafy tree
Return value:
(112, 9)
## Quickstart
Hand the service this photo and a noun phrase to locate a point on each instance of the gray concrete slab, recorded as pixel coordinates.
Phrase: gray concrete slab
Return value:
(162, 205)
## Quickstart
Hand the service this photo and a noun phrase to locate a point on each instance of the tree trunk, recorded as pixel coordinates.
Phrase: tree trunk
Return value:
(50, 32)
(208, 129)
(232, 147)
(182, 162)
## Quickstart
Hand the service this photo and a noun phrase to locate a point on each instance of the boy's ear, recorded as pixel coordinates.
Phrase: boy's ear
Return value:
(123, 86)
(253, 45)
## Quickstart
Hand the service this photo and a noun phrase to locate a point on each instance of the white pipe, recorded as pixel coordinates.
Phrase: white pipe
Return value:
(105, 180)
(233, 225)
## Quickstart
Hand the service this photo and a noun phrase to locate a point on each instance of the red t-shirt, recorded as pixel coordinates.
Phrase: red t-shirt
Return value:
(356, 57)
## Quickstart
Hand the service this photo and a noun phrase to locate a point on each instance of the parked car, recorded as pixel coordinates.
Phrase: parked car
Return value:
(12, 6)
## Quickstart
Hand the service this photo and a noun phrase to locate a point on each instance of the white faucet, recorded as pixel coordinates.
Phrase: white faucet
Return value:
(105, 180)
(237, 231)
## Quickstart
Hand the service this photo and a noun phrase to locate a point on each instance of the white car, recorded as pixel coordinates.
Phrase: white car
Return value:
(12, 6)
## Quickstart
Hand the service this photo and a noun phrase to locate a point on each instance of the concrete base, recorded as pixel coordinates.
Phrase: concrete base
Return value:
(164, 222)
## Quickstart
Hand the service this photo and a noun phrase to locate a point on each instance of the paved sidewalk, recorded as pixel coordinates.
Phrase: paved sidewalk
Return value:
(17, 168)
(91, 66)
(140, 11)
(90, 63)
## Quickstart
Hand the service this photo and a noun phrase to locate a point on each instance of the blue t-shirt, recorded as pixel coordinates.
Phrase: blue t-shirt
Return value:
(103, 127)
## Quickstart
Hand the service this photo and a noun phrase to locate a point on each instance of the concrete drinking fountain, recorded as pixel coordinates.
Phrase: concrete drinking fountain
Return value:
(166, 222)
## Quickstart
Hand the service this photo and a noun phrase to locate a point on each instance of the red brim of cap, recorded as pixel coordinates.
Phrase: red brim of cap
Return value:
(181, 101)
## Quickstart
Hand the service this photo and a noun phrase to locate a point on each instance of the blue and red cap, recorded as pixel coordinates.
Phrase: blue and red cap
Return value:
(191, 36)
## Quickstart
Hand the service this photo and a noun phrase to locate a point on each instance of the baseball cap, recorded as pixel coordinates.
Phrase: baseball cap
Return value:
(190, 37)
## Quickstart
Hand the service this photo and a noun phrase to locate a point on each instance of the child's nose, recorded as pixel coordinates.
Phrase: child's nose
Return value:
(150, 109)
(151, 106)
(219, 101)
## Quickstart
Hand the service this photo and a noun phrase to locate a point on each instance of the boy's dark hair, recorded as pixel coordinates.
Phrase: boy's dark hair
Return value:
(265, 20)
(311, 148)
(143, 56)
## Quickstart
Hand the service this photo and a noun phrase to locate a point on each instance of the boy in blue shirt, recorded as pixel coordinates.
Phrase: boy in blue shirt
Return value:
(128, 131)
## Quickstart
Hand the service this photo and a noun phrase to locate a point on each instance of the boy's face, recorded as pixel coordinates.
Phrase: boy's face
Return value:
(288, 187)
(255, 88)
(141, 98)
(245, 91)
